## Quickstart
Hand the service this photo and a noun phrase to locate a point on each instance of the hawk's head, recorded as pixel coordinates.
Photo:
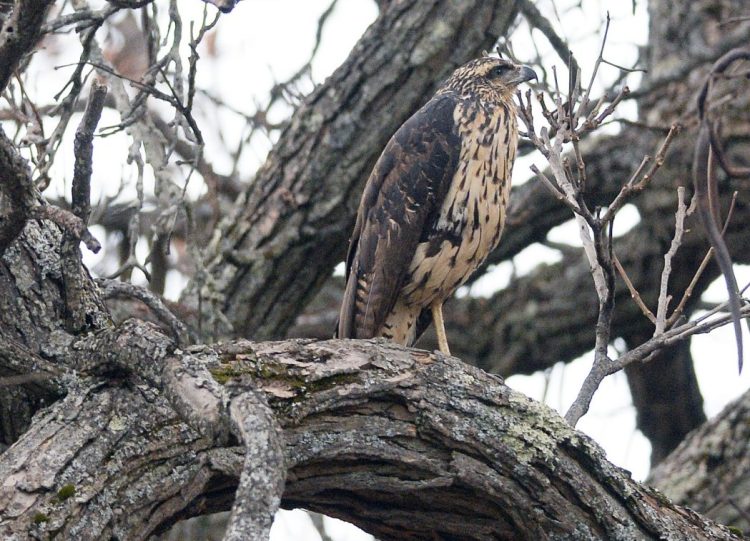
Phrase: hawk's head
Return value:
(489, 78)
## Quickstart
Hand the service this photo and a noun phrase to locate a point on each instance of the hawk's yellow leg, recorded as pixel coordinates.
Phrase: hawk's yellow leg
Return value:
(437, 317)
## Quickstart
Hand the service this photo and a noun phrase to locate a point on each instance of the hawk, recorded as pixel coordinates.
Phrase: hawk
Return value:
(434, 205)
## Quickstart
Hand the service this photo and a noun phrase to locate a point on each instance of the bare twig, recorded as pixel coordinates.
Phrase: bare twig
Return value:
(595, 233)
(571, 118)
(75, 223)
(701, 325)
(599, 59)
(640, 180)
(194, 56)
(541, 23)
(82, 19)
(65, 108)
(704, 263)
(643, 353)
(633, 291)
(664, 298)
(83, 149)
(554, 190)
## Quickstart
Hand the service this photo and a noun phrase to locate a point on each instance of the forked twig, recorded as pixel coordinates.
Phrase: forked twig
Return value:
(698, 273)
(679, 230)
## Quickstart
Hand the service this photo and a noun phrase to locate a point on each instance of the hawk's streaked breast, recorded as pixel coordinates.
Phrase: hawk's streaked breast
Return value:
(471, 217)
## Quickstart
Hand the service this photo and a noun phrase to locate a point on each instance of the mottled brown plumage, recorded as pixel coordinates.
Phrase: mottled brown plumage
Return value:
(434, 205)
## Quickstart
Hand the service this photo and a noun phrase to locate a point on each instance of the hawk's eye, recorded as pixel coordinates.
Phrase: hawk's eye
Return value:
(499, 71)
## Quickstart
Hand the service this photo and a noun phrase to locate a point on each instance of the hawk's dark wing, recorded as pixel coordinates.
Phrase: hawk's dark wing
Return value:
(400, 202)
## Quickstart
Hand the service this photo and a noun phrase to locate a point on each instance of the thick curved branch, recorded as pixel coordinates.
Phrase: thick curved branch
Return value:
(401, 442)
(261, 483)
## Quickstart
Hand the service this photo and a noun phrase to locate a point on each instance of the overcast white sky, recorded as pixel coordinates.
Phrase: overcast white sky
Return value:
(266, 40)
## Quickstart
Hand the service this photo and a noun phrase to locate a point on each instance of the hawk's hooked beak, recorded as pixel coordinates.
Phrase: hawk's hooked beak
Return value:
(524, 74)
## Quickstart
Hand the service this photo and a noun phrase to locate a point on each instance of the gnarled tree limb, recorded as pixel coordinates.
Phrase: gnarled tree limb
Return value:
(401, 442)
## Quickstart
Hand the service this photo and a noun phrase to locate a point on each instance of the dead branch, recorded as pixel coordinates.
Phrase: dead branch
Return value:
(69, 222)
(112, 288)
(634, 294)
(261, 483)
(702, 267)
(704, 182)
(679, 231)
(83, 150)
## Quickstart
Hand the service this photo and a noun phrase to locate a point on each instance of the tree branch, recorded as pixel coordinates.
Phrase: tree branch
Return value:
(398, 441)
(18, 190)
(19, 34)
(84, 150)
(262, 481)
(114, 288)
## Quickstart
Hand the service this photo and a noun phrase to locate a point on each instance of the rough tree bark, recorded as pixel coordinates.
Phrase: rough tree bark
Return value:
(665, 95)
(710, 469)
(401, 442)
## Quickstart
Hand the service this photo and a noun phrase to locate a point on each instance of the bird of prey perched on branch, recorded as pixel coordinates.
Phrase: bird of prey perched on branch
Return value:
(434, 205)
